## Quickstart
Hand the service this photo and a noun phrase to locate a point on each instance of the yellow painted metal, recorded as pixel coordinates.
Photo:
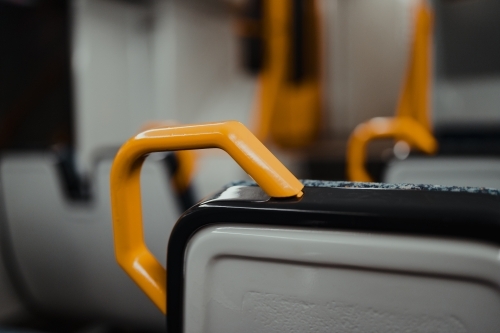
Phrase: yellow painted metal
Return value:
(185, 171)
(403, 128)
(233, 137)
(289, 112)
(186, 159)
(416, 96)
(411, 122)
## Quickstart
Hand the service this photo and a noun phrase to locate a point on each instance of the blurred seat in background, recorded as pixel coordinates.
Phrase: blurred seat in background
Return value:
(465, 117)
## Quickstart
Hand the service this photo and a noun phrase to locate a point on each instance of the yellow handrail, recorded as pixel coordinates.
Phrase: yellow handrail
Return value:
(186, 159)
(403, 128)
(233, 137)
(411, 122)
(288, 111)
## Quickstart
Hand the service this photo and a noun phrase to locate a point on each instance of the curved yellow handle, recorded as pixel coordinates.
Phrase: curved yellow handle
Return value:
(402, 128)
(131, 251)
(187, 159)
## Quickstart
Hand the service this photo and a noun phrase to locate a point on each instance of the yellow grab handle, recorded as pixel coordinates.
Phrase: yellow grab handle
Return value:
(403, 128)
(187, 159)
(233, 137)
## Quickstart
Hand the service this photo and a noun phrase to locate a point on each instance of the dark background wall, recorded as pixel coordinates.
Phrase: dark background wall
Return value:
(35, 81)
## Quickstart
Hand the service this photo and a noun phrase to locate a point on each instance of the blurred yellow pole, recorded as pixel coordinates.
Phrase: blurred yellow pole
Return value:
(289, 110)
(411, 122)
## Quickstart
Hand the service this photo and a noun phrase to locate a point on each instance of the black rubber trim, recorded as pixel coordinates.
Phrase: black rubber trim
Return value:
(416, 212)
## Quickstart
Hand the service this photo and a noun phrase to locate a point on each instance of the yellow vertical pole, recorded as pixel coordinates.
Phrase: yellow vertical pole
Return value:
(289, 111)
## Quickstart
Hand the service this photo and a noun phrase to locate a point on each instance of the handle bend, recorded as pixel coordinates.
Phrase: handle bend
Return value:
(233, 137)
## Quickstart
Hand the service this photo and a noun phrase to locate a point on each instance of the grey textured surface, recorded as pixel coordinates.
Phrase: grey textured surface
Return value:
(385, 186)
(279, 313)
(474, 171)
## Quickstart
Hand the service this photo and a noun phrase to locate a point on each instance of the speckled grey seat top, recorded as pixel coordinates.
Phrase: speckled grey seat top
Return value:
(403, 186)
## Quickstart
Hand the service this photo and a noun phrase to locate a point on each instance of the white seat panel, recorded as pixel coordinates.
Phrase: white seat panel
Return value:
(264, 279)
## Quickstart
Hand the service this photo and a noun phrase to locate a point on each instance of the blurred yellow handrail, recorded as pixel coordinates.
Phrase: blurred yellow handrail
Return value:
(403, 128)
(411, 122)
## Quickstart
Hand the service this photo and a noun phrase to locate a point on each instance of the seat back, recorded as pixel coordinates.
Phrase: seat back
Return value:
(344, 257)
